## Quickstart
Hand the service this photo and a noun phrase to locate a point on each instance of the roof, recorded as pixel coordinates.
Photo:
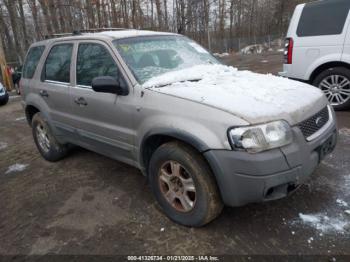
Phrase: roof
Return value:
(130, 33)
(111, 35)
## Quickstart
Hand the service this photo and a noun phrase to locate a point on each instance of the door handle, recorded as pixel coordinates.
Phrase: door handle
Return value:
(44, 93)
(80, 101)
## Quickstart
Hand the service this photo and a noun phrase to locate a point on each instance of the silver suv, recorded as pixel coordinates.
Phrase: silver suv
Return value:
(203, 133)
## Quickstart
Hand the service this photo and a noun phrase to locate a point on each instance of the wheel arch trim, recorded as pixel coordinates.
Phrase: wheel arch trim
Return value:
(327, 66)
(183, 136)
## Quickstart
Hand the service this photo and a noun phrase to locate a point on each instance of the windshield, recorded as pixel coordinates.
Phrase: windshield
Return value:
(151, 56)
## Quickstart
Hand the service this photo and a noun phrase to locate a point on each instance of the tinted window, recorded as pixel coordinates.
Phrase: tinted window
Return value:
(94, 60)
(323, 18)
(32, 61)
(57, 65)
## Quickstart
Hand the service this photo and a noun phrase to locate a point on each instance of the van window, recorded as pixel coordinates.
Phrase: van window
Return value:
(57, 65)
(94, 60)
(323, 18)
(32, 61)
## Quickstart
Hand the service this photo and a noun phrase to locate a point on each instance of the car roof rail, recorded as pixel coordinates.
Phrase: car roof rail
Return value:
(57, 35)
(96, 30)
(82, 31)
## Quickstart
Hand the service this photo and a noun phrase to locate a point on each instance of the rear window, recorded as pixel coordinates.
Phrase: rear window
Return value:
(32, 61)
(57, 65)
(323, 18)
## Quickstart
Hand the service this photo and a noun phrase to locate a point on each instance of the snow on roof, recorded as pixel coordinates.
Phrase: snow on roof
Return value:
(131, 33)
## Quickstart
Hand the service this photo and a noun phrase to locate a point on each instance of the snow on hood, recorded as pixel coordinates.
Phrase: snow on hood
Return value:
(255, 97)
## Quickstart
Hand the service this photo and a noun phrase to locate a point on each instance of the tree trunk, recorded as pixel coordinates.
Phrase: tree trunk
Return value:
(47, 19)
(11, 8)
(166, 22)
(23, 24)
(34, 10)
(52, 7)
(159, 14)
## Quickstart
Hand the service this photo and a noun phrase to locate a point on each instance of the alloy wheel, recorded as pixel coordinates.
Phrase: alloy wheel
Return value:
(42, 137)
(336, 89)
(177, 186)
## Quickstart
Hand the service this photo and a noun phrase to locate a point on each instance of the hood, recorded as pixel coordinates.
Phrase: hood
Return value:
(257, 98)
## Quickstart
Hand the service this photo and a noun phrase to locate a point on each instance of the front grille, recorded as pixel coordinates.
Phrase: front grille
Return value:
(311, 125)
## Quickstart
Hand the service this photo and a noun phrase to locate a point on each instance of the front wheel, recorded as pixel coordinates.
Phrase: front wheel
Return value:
(183, 185)
(335, 83)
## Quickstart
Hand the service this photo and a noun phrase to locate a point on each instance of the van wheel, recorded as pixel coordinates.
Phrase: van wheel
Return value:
(335, 83)
(45, 141)
(183, 185)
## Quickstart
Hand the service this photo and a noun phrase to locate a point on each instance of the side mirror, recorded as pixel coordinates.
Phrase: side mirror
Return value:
(109, 84)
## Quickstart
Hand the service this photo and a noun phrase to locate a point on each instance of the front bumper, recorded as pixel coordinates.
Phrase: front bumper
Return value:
(248, 178)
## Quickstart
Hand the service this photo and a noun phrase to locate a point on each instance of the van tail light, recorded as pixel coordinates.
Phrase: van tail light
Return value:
(288, 51)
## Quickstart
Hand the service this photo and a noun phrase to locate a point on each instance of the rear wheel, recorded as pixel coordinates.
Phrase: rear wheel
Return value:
(183, 185)
(45, 141)
(335, 83)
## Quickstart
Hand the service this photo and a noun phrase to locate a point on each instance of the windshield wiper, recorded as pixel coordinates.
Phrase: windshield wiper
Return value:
(163, 85)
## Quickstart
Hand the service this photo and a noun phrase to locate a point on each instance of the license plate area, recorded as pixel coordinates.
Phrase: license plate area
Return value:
(327, 147)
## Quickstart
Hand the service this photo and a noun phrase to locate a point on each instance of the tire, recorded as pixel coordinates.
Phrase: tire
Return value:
(194, 172)
(4, 100)
(338, 88)
(47, 144)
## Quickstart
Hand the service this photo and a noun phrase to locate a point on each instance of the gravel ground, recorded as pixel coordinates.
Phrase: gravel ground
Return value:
(89, 204)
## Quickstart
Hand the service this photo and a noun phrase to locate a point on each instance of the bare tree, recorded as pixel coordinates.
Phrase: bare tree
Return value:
(221, 21)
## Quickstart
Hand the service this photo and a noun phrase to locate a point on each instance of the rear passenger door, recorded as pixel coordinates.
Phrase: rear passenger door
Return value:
(55, 85)
(103, 121)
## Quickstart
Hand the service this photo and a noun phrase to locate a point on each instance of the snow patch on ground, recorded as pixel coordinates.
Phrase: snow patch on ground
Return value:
(221, 55)
(330, 165)
(325, 224)
(16, 168)
(344, 132)
(342, 203)
(254, 97)
(14, 97)
(3, 145)
(20, 118)
(253, 49)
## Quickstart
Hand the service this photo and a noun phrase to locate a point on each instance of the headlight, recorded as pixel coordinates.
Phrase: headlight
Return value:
(263, 137)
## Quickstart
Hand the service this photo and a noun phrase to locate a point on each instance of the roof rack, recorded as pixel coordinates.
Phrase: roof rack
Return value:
(80, 32)
(58, 35)
(94, 30)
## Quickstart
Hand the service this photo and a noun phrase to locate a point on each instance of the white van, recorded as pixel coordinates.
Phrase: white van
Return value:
(317, 49)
